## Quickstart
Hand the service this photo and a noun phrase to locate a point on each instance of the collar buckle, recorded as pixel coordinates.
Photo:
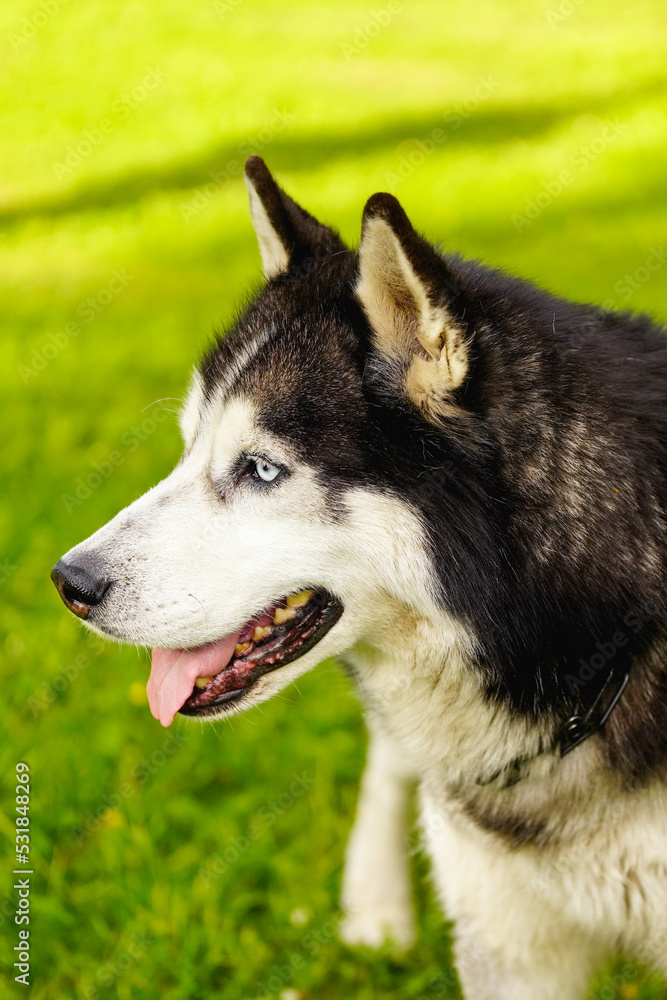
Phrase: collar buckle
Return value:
(579, 727)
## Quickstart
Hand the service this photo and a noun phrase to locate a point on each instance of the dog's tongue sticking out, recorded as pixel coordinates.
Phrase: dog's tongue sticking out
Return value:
(234, 661)
(174, 672)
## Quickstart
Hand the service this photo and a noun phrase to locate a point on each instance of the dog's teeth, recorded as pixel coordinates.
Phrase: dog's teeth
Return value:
(298, 600)
(282, 615)
(242, 647)
(260, 633)
(201, 682)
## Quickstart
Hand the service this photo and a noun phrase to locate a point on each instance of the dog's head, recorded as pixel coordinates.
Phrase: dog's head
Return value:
(293, 526)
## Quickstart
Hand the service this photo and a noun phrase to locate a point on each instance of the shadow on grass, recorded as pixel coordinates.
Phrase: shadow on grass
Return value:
(484, 126)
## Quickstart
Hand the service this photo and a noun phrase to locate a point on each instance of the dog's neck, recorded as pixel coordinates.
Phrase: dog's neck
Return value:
(435, 705)
(461, 745)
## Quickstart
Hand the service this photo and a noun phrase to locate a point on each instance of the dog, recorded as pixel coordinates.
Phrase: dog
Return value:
(455, 482)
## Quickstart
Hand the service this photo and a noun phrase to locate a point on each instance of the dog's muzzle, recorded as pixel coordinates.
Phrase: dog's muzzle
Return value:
(80, 585)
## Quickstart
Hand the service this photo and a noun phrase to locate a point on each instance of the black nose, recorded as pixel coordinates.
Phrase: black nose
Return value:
(80, 585)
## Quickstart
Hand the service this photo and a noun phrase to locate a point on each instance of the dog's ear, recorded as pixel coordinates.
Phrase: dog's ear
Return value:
(411, 302)
(288, 236)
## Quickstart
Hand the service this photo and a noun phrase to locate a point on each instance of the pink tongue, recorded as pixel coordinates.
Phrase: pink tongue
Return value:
(174, 672)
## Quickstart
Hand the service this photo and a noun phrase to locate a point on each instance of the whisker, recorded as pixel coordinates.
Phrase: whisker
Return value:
(166, 399)
(201, 606)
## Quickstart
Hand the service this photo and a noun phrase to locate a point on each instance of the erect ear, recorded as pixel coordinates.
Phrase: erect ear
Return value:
(288, 236)
(411, 302)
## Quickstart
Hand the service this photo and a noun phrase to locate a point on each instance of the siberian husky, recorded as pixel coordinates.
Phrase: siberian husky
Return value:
(457, 483)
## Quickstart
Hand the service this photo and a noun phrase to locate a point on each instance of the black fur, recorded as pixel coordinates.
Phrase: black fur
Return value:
(544, 499)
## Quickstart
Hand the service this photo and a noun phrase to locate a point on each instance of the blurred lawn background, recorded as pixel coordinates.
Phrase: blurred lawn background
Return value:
(530, 134)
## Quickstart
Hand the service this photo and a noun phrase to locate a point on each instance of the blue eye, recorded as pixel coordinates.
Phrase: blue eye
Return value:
(265, 471)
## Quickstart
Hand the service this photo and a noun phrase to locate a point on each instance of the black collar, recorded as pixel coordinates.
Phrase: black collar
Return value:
(573, 732)
(579, 727)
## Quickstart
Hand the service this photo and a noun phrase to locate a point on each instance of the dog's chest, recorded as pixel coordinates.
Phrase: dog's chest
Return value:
(436, 710)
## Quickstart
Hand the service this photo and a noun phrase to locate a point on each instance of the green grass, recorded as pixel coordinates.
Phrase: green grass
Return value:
(534, 89)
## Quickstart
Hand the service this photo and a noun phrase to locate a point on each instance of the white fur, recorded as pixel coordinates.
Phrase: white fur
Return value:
(198, 555)
(531, 922)
(275, 257)
(190, 414)
(544, 919)
(190, 564)
(376, 894)
(405, 322)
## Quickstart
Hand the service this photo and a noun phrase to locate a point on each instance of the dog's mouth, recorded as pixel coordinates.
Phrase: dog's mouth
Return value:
(205, 680)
